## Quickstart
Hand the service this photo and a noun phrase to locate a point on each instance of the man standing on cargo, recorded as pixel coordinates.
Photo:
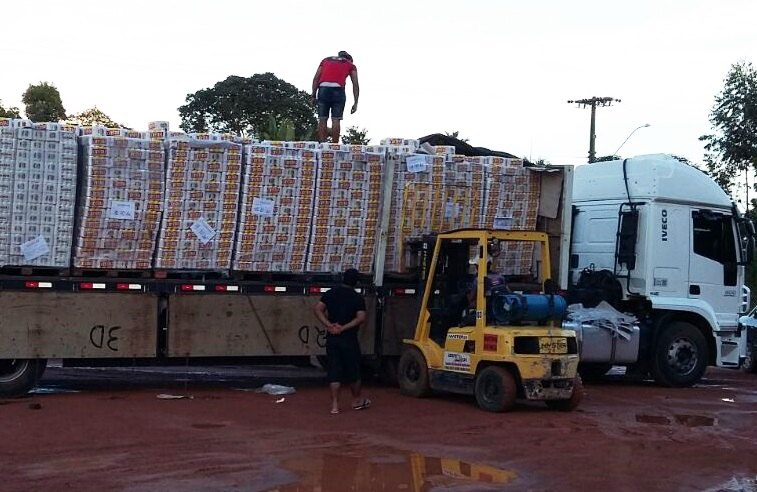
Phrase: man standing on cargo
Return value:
(329, 92)
(342, 310)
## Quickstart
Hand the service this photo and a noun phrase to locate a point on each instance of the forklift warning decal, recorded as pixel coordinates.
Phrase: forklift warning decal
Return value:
(456, 362)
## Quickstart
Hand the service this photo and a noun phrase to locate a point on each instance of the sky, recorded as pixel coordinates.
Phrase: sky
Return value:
(499, 72)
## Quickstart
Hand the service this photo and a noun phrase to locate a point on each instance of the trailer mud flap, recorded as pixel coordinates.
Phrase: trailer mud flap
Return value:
(68, 325)
(251, 325)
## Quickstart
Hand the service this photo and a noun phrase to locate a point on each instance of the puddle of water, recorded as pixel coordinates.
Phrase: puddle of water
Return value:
(653, 419)
(405, 472)
(49, 390)
(687, 420)
(207, 426)
(695, 420)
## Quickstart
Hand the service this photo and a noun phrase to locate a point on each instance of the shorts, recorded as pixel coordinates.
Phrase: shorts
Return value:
(343, 360)
(331, 99)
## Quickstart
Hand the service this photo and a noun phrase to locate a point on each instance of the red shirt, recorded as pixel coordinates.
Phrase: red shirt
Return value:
(335, 70)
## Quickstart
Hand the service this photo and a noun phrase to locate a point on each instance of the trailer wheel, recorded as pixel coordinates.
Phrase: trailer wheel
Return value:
(569, 404)
(749, 364)
(18, 376)
(413, 374)
(495, 389)
(680, 356)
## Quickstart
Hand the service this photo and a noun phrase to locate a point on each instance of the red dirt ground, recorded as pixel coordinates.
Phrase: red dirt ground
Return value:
(625, 436)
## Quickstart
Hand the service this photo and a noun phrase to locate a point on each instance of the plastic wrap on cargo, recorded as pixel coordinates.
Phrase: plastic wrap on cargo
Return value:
(277, 206)
(120, 202)
(347, 207)
(604, 316)
(37, 193)
(201, 199)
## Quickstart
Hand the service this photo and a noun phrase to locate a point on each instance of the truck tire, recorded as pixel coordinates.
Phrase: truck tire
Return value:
(413, 374)
(495, 389)
(569, 404)
(680, 356)
(749, 364)
(18, 376)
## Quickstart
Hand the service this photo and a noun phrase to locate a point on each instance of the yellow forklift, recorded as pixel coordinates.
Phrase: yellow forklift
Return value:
(475, 335)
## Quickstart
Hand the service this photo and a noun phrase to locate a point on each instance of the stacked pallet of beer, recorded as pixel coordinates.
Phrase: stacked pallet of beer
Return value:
(415, 206)
(512, 201)
(277, 205)
(200, 213)
(460, 200)
(37, 193)
(121, 200)
(347, 206)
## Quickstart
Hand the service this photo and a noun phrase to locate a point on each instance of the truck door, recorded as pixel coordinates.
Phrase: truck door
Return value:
(713, 266)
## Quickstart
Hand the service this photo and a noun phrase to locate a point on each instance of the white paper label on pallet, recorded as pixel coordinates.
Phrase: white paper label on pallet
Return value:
(503, 223)
(416, 163)
(123, 210)
(202, 230)
(262, 206)
(35, 248)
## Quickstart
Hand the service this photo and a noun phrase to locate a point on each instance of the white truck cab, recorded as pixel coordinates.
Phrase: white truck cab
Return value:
(660, 239)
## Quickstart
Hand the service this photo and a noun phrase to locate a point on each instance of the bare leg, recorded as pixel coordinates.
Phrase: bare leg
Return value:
(334, 397)
(335, 130)
(322, 129)
(356, 389)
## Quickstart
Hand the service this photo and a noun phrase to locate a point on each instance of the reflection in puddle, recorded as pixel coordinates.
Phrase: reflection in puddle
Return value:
(687, 420)
(409, 472)
(653, 419)
(695, 420)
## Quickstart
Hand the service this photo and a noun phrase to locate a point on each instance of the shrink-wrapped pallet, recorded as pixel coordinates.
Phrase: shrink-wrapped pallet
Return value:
(201, 199)
(120, 202)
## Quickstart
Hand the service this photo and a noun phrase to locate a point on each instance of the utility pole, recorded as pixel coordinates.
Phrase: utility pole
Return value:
(594, 102)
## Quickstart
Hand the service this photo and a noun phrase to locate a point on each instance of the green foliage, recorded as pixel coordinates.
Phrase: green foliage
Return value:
(732, 147)
(356, 136)
(93, 116)
(43, 103)
(9, 112)
(245, 106)
(275, 130)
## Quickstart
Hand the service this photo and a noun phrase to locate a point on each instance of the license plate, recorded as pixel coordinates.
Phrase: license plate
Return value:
(549, 345)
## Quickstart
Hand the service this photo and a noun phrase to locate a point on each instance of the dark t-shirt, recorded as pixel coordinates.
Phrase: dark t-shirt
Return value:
(342, 304)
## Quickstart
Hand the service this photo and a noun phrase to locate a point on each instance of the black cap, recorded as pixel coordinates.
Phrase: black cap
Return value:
(344, 54)
(350, 277)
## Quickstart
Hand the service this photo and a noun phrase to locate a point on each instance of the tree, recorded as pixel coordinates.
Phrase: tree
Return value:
(356, 136)
(244, 106)
(93, 116)
(283, 130)
(456, 134)
(732, 147)
(43, 103)
(9, 112)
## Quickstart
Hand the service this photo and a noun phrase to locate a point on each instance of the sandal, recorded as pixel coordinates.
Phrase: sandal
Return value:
(366, 403)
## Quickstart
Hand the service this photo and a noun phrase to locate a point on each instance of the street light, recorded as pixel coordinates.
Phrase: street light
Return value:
(645, 125)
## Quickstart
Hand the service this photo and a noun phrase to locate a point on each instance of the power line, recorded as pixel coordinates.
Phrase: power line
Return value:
(593, 103)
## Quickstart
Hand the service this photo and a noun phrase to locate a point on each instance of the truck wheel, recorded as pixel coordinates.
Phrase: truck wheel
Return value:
(569, 404)
(18, 376)
(413, 374)
(495, 389)
(681, 355)
(749, 364)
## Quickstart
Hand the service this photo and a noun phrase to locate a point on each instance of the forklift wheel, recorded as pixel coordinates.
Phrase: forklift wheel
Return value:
(571, 403)
(496, 389)
(413, 373)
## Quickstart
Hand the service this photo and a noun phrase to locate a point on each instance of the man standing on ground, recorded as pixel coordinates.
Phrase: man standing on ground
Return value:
(342, 310)
(329, 92)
